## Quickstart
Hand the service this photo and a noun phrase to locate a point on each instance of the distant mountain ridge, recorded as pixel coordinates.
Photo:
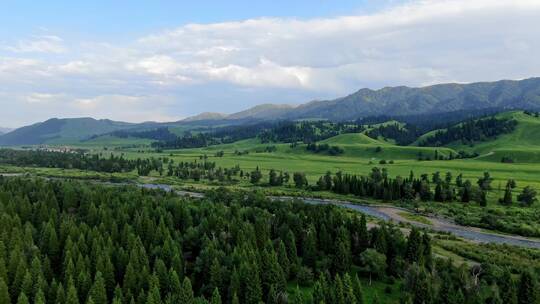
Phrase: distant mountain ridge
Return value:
(5, 130)
(389, 101)
(402, 100)
(206, 116)
(262, 111)
(58, 131)
(504, 94)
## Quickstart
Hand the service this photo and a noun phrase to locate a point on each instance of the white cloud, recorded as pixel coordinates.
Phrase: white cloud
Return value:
(43, 98)
(39, 44)
(231, 65)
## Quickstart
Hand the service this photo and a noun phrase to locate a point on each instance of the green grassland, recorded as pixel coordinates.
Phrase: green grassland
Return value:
(358, 158)
(114, 142)
(361, 154)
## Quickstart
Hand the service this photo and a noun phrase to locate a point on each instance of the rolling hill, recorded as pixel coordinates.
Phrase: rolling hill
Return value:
(522, 145)
(360, 145)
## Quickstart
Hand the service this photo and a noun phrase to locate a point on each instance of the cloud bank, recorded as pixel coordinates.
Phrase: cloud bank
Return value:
(232, 65)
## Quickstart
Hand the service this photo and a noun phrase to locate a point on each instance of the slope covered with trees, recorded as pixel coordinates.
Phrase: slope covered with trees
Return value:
(470, 131)
(60, 131)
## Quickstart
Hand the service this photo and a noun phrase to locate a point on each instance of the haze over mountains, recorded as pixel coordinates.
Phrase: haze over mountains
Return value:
(403, 100)
(395, 101)
(4, 130)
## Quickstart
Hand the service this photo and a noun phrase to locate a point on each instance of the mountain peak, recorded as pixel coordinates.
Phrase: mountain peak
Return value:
(263, 111)
(205, 116)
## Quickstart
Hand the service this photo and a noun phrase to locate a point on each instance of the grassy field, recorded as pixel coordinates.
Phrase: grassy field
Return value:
(361, 154)
(357, 159)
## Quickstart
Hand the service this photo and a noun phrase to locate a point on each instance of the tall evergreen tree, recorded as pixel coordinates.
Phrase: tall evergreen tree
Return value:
(507, 288)
(216, 297)
(186, 294)
(527, 292)
(98, 293)
(358, 292)
(22, 299)
(4, 293)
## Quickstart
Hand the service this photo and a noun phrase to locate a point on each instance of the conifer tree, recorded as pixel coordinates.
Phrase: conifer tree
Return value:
(507, 288)
(527, 292)
(154, 296)
(216, 279)
(253, 290)
(283, 259)
(272, 297)
(39, 297)
(60, 297)
(297, 297)
(72, 296)
(414, 246)
(22, 299)
(186, 294)
(118, 297)
(216, 297)
(4, 293)
(348, 289)
(292, 253)
(357, 287)
(318, 293)
(98, 293)
(339, 290)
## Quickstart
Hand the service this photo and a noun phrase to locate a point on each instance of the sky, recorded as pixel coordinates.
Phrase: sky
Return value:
(166, 60)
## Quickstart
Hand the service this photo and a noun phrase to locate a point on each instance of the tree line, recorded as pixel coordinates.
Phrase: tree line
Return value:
(307, 131)
(67, 160)
(439, 188)
(471, 131)
(324, 148)
(402, 135)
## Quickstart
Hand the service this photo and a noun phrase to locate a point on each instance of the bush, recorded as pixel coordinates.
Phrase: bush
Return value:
(507, 160)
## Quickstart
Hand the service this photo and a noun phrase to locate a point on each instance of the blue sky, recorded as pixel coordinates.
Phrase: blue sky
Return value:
(166, 60)
(120, 18)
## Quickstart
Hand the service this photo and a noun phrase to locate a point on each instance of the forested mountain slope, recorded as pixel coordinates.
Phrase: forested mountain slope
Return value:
(390, 101)
(60, 131)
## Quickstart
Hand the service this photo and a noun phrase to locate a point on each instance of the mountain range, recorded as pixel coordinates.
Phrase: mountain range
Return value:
(402, 100)
(394, 101)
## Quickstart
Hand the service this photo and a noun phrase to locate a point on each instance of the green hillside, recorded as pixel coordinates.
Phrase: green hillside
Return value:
(360, 145)
(522, 145)
(352, 139)
(61, 131)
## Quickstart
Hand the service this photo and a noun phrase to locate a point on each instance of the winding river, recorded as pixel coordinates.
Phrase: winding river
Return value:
(389, 213)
